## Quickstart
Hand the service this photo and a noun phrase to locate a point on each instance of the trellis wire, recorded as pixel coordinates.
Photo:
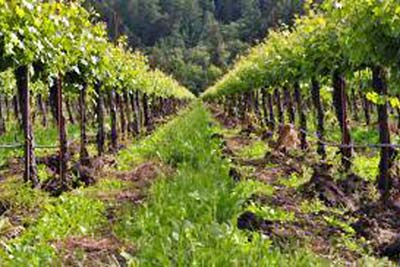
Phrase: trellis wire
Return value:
(16, 146)
(333, 144)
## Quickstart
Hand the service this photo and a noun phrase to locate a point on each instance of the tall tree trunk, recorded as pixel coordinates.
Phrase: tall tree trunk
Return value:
(62, 135)
(114, 132)
(43, 110)
(84, 154)
(379, 77)
(339, 101)
(100, 138)
(302, 116)
(315, 91)
(22, 80)
(278, 102)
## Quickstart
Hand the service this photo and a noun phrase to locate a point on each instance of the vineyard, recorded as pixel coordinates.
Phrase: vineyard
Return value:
(290, 159)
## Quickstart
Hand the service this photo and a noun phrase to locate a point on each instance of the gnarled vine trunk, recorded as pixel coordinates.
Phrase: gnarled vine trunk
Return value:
(379, 77)
(136, 107)
(315, 91)
(146, 112)
(302, 115)
(339, 101)
(278, 102)
(271, 111)
(256, 101)
(113, 113)
(122, 119)
(43, 110)
(264, 104)
(71, 118)
(289, 105)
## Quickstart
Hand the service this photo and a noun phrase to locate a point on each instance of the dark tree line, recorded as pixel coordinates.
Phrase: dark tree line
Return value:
(195, 40)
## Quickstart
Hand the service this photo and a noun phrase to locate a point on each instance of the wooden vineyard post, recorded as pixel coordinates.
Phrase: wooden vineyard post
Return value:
(62, 135)
(100, 138)
(22, 78)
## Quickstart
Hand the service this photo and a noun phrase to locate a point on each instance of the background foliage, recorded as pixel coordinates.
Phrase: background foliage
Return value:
(195, 40)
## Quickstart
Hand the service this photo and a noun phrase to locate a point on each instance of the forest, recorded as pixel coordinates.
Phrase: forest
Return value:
(199, 133)
(195, 40)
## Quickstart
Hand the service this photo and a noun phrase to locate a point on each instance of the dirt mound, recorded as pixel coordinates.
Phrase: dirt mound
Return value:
(98, 252)
(134, 196)
(227, 121)
(379, 224)
(89, 244)
(237, 143)
(145, 173)
(325, 188)
(288, 138)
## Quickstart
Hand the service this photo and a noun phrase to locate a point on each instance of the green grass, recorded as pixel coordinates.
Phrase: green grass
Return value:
(69, 215)
(190, 219)
(366, 167)
(255, 150)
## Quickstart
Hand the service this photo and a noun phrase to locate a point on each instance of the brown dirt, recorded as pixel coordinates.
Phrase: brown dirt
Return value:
(311, 230)
(226, 121)
(145, 174)
(133, 196)
(236, 143)
(97, 252)
(378, 223)
(105, 251)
